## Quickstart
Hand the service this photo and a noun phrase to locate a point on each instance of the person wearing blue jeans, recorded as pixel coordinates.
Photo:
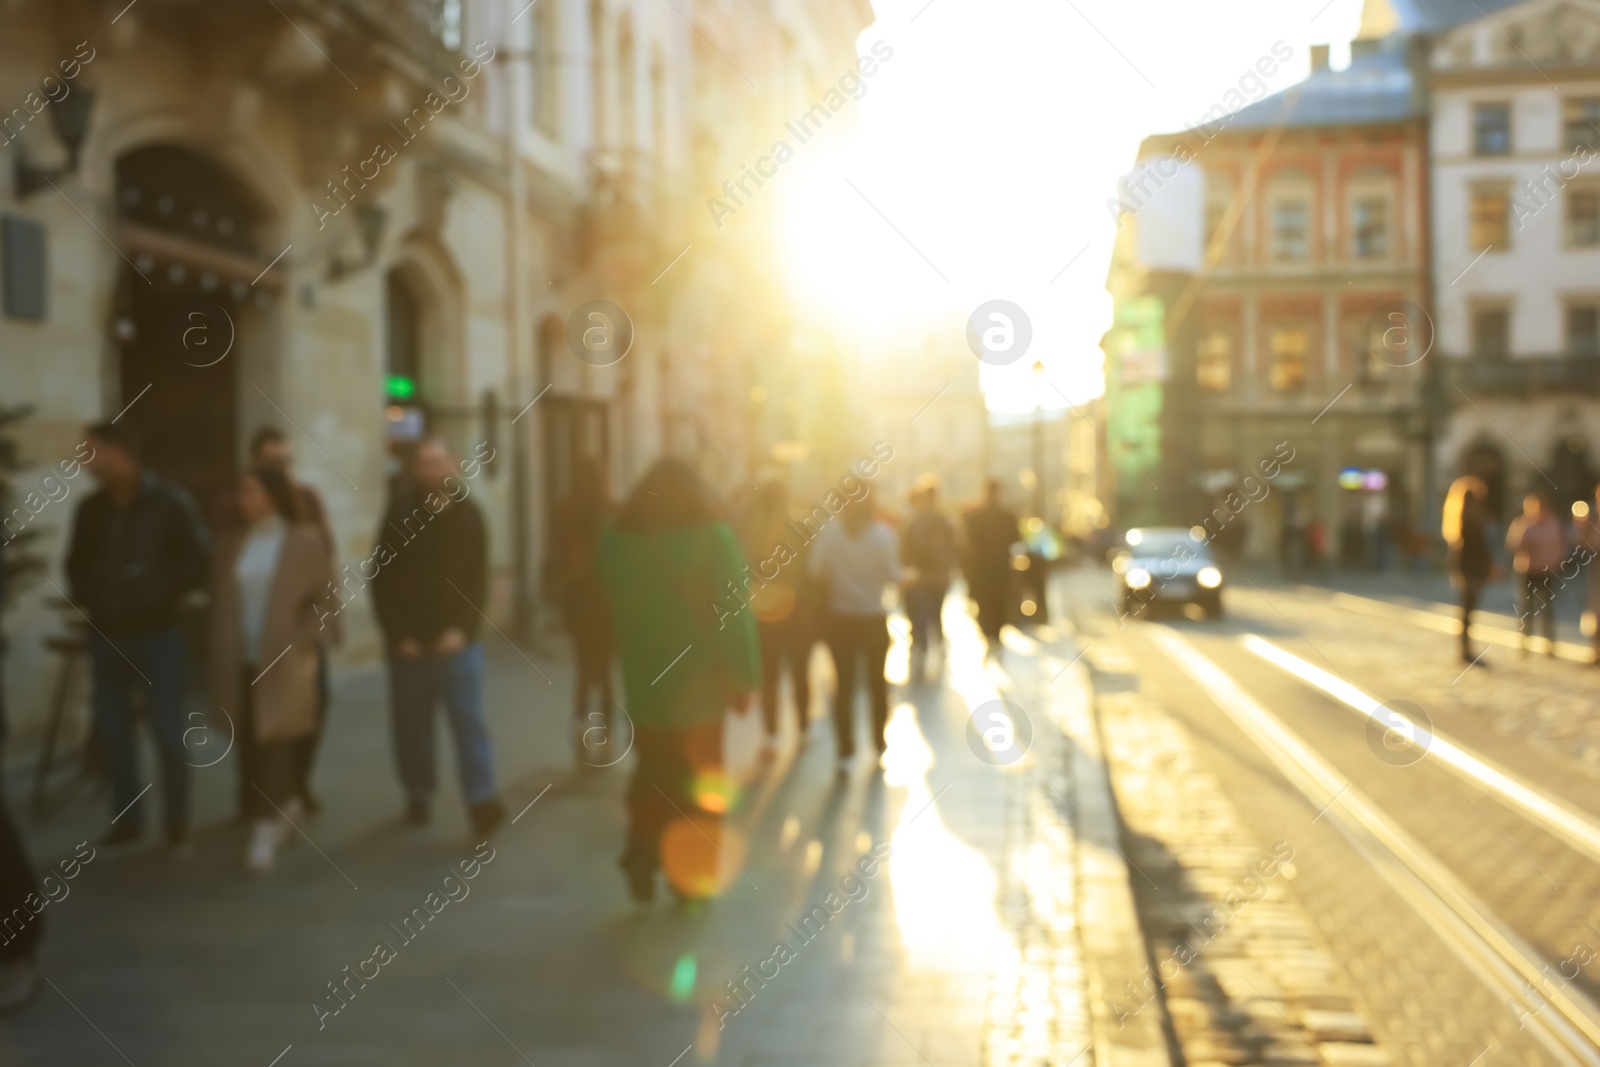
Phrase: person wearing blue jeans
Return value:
(20, 978)
(456, 681)
(137, 549)
(154, 665)
(429, 592)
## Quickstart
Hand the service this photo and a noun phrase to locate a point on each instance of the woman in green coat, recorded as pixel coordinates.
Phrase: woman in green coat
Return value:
(686, 657)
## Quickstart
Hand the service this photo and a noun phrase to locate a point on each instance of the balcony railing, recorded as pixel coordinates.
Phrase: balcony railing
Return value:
(1524, 374)
(423, 27)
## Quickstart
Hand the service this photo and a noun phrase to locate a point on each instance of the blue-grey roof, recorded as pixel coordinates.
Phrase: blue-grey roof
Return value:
(1433, 16)
(1373, 88)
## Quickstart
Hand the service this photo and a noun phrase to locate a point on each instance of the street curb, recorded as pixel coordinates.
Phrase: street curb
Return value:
(1114, 949)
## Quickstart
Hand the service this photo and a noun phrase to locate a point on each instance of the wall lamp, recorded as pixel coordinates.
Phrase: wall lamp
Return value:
(70, 119)
(370, 221)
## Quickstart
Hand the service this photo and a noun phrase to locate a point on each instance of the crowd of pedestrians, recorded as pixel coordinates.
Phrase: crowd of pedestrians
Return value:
(673, 553)
(637, 583)
(140, 554)
(1547, 551)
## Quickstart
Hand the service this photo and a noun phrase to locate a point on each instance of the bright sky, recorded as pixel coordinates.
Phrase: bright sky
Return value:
(991, 142)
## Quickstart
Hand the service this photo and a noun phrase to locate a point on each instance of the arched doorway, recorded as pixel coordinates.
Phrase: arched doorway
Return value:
(191, 231)
(1485, 460)
(403, 341)
(1571, 471)
(575, 427)
(424, 386)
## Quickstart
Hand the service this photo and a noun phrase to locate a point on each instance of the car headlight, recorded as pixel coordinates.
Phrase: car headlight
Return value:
(1209, 577)
(1137, 578)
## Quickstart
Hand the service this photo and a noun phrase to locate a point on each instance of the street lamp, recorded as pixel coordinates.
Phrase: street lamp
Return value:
(1039, 497)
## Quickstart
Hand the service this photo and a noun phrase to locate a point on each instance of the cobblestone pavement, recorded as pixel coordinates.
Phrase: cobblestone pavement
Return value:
(1422, 1003)
(962, 949)
(1240, 968)
(1534, 716)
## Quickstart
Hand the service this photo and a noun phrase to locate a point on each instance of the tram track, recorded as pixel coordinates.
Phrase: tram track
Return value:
(1563, 1017)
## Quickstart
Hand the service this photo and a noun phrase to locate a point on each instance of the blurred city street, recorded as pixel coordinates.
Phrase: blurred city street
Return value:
(1411, 858)
(800, 533)
(963, 949)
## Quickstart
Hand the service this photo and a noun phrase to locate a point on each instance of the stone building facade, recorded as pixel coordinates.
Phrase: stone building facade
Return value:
(1300, 322)
(1516, 194)
(362, 220)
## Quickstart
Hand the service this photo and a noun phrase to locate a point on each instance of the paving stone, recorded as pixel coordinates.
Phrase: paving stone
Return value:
(1347, 1054)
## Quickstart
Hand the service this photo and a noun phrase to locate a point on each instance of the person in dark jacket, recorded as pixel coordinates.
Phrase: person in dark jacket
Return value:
(784, 622)
(584, 608)
(429, 591)
(991, 531)
(19, 944)
(928, 550)
(137, 549)
(668, 563)
(1470, 560)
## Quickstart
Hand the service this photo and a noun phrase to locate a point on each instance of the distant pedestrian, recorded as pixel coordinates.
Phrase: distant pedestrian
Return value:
(929, 551)
(1469, 560)
(20, 979)
(137, 549)
(585, 611)
(784, 620)
(1588, 535)
(429, 592)
(269, 449)
(1538, 546)
(858, 557)
(667, 563)
(991, 531)
(269, 581)
(1316, 545)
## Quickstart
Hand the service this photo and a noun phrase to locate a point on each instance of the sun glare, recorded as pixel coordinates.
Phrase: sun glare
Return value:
(953, 187)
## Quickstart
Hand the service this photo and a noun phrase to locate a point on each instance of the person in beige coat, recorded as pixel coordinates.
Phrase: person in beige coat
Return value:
(270, 578)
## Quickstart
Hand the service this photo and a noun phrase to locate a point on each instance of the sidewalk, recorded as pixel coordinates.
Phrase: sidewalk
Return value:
(962, 949)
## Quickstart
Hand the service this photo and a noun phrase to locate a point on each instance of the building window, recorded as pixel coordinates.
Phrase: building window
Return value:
(444, 20)
(1378, 349)
(1289, 350)
(1213, 365)
(597, 73)
(1371, 227)
(1290, 218)
(1583, 217)
(546, 69)
(1491, 333)
(1218, 198)
(1491, 130)
(627, 85)
(1490, 222)
(1583, 329)
(658, 110)
(1580, 116)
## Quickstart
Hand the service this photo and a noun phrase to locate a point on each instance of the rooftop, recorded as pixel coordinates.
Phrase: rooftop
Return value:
(1373, 88)
(1433, 16)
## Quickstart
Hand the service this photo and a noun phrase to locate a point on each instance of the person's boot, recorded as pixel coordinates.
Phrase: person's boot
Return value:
(121, 835)
(20, 982)
(487, 815)
(640, 868)
(417, 813)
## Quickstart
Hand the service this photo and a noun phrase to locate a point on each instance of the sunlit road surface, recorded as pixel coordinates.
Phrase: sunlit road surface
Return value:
(960, 949)
(1446, 820)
